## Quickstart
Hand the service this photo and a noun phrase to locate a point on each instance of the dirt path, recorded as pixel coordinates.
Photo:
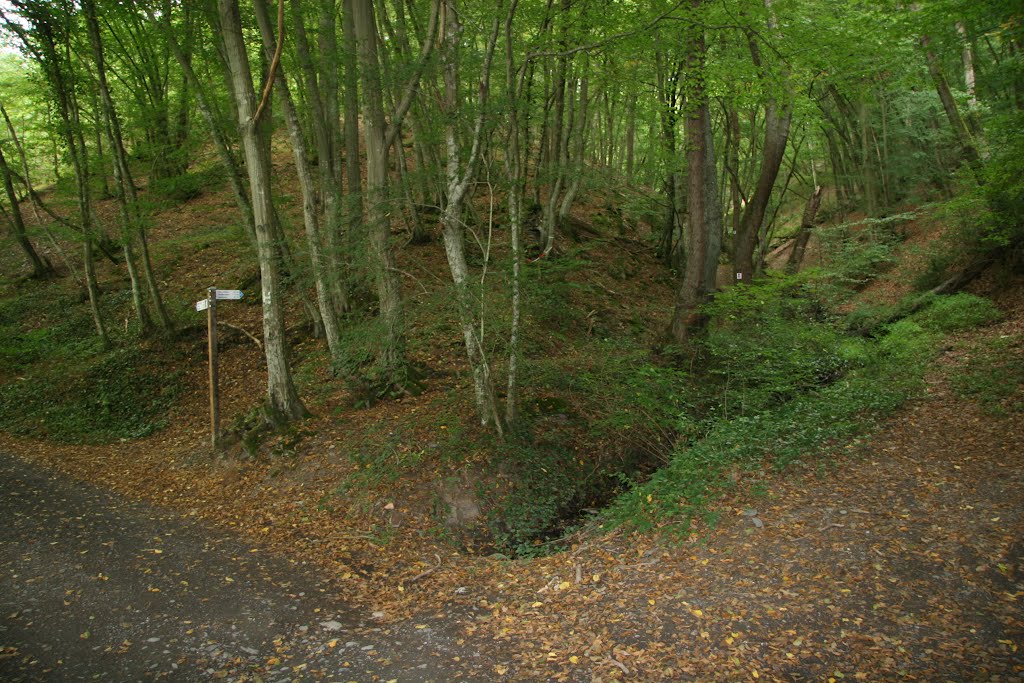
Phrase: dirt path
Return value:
(95, 587)
(903, 562)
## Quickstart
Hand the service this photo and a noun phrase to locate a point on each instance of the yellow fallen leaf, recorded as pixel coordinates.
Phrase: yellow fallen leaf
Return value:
(596, 578)
(697, 613)
(500, 669)
(537, 604)
(273, 661)
(565, 585)
(332, 643)
(574, 660)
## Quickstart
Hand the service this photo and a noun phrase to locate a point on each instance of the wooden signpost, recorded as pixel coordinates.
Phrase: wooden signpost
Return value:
(209, 304)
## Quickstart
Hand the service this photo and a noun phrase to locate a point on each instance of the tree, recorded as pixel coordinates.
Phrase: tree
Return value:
(283, 402)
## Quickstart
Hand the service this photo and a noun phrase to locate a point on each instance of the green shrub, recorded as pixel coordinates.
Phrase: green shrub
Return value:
(958, 312)
(187, 186)
(879, 376)
(546, 486)
(111, 396)
(766, 344)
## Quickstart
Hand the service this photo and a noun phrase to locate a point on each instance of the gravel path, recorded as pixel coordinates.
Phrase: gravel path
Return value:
(96, 587)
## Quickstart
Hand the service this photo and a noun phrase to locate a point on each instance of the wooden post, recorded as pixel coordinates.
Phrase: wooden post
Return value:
(211, 325)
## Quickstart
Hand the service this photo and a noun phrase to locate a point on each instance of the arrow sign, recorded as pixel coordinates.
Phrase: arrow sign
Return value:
(202, 304)
(229, 293)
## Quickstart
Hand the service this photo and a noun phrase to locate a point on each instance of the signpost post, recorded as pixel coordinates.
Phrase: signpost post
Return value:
(209, 304)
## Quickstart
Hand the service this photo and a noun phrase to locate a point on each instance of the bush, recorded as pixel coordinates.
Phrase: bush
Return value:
(879, 375)
(112, 396)
(187, 186)
(767, 343)
(958, 312)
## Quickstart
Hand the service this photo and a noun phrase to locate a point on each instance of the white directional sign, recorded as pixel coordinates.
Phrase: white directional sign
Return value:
(202, 304)
(229, 293)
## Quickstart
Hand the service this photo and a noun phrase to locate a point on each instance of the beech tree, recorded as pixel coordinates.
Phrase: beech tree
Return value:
(283, 402)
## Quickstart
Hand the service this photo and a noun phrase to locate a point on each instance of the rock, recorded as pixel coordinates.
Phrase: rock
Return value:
(331, 625)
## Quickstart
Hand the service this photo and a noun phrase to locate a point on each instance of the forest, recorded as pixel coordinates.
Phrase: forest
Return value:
(515, 274)
(690, 155)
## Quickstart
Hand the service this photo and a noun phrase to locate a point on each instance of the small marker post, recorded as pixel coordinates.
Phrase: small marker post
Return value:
(209, 304)
(211, 326)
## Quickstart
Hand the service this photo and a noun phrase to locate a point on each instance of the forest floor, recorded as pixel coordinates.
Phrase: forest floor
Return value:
(905, 561)
(902, 561)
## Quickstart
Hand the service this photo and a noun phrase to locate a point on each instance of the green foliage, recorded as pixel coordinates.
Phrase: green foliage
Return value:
(1004, 187)
(180, 189)
(958, 312)
(816, 420)
(110, 396)
(993, 375)
(766, 344)
(988, 218)
(856, 253)
(546, 486)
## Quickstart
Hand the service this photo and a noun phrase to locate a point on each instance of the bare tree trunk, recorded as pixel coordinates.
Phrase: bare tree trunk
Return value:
(283, 402)
(41, 268)
(575, 163)
(321, 267)
(516, 192)
(379, 137)
(323, 113)
(776, 134)
(353, 169)
(220, 143)
(459, 175)
(703, 210)
(968, 150)
(63, 92)
(630, 137)
(803, 235)
(389, 296)
(125, 183)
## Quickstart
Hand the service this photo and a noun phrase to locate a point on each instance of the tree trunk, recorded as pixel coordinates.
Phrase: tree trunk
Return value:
(459, 175)
(378, 217)
(41, 268)
(803, 235)
(54, 68)
(283, 402)
(703, 210)
(321, 267)
(220, 143)
(968, 150)
(125, 183)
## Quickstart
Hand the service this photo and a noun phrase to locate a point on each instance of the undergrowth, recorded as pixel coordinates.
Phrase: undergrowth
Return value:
(57, 382)
(994, 375)
(849, 385)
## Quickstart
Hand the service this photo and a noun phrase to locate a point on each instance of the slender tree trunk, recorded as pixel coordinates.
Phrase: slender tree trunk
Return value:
(803, 235)
(630, 137)
(378, 217)
(516, 193)
(575, 163)
(321, 266)
(968, 150)
(867, 166)
(220, 143)
(459, 175)
(703, 211)
(282, 400)
(126, 196)
(63, 91)
(41, 268)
